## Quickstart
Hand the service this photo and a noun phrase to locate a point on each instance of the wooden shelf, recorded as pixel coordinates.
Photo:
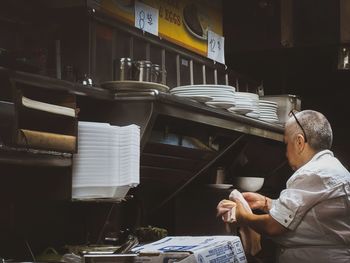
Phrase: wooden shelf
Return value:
(43, 112)
(31, 157)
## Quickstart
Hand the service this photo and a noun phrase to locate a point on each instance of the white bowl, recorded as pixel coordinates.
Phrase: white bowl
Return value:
(250, 184)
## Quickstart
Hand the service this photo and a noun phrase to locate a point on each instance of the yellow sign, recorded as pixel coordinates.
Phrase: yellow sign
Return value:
(184, 22)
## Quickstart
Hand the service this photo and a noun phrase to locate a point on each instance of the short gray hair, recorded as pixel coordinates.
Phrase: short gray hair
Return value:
(318, 130)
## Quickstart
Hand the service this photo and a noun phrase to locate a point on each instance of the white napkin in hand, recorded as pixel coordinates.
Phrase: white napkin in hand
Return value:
(230, 215)
(250, 239)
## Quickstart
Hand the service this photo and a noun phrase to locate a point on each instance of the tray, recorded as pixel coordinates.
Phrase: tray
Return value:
(133, 85)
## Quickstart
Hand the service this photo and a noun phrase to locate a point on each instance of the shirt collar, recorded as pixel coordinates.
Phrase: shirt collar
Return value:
(321, 153)
(315, 157)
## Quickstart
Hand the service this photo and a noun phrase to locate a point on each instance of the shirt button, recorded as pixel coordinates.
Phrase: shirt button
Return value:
(285, 221)
(290, 216)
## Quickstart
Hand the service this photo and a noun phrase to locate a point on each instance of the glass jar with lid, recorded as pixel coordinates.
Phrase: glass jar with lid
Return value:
(143, 70)
(125, 69)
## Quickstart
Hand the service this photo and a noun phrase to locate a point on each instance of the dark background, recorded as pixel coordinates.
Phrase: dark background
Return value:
(304, 64)
(292, 48)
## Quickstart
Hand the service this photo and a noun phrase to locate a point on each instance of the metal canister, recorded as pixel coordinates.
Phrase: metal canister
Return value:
(125, 69)
(156, 75)
(143, 70)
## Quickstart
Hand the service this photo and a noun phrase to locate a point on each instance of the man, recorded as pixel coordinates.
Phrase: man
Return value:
(310, 221)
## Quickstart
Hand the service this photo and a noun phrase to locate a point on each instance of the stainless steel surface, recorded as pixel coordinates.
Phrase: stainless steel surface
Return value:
(132, 85)
(191, 72)
(182, 108)
(120, 258)
(164, 72)
(204, 75)
(215, 76)
(178, 75)
(141, 95)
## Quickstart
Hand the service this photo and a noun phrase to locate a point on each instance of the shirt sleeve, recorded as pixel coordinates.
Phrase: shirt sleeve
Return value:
(303, 192)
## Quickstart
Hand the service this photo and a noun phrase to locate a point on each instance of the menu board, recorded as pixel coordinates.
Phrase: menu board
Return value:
(184, 22)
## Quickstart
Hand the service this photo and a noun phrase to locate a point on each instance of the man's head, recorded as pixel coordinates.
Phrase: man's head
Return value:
(306, 133)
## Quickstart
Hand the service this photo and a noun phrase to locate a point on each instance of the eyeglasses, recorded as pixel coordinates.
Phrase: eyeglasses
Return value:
(301, 127)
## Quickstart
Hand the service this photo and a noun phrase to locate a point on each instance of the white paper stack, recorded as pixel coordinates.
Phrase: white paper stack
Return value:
(108, 161)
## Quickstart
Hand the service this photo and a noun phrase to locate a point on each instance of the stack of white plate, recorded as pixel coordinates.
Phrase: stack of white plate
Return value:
(268, 111)
(107, 162)
(246, 103)
(218, 96)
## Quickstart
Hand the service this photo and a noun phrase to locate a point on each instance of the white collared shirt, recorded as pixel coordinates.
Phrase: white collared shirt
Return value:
(315, 206)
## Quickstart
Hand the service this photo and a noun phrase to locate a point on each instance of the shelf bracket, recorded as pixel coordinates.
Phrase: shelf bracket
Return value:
(207, 166)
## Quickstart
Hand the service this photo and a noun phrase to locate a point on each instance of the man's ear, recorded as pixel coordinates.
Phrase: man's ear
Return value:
(300, 141)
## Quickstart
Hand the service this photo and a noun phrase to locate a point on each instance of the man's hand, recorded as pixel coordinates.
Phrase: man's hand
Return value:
(224, 206)
(227, 210)
(241, 213)
(224, 209)
(255, 201)
(263, 224)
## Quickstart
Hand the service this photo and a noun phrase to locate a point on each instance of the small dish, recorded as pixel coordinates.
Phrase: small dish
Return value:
(250, 184)
(220, 186)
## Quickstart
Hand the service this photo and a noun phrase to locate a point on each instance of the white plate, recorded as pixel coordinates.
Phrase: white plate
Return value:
(239, 110)
(246, 107)
(223, 99)
(204, 86)
(218, 104)
(268, 110)
(268, 119)
(273, 114)
(247, 94)
(200, 98)
(199, 91)
(274, 111)
(253, 115)
(268, 102)
(268, 105)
